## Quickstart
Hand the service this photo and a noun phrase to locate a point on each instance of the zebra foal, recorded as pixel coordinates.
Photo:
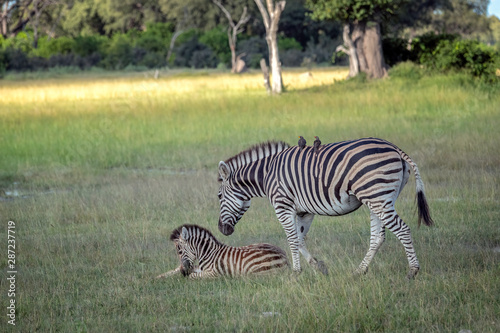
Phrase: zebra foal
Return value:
(203, 256)
(332, 181)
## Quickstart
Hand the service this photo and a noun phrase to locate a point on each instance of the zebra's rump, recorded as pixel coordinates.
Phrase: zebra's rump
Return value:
(263, 257)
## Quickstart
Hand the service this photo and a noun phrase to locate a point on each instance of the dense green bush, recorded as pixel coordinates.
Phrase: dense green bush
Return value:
(48, 47)
(119, 53)
(22, 41)
(285, 44)
(217, 40)
(255, 48)
(449, 53)
(86, 46)
(478, 59)
(194, 54)
(423, 48)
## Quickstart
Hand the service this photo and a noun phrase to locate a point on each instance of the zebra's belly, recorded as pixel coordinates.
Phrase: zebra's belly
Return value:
(347, 204)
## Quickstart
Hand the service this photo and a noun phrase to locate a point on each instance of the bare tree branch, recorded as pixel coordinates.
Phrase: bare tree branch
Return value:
(235, 27)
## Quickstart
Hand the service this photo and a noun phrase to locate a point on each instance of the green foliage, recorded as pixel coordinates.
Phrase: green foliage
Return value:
(423, 48)
(3, 62)
(22, 41)
(88, 45)
(288, 43)
(48, 47)
(446, 52)
(217, 40)
(353, 10)
(471, 55)
(119, 52)
(156, 38)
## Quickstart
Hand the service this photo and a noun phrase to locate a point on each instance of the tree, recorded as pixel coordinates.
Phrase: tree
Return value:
(463, 17)
(271, 16)
(233, 31)
(364, 18)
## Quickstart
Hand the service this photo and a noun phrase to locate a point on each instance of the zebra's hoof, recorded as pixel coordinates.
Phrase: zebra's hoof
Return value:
(321, 267)
(360, 271)
(412, 273)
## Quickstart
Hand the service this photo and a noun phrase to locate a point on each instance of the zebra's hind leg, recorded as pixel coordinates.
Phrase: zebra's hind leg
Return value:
(391, 220)
(376, 239)
(303, 222)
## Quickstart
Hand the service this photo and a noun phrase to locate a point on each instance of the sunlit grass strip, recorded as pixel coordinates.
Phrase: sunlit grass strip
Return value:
(170, 87)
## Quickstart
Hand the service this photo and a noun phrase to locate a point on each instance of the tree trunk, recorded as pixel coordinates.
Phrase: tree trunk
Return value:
(271, 18)
(372, 44)
(368, 43)
(350, 50)
(3, 19)
(265, 72)
(358, 33)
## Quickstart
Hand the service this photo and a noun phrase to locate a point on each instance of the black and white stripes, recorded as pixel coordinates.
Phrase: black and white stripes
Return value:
(336, 180)
(203, 256)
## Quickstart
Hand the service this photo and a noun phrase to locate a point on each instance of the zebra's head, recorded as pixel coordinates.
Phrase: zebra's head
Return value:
(185, 250)
(233, 202)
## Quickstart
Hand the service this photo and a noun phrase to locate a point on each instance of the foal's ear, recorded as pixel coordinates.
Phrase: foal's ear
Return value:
(224, 171)
(184, 233)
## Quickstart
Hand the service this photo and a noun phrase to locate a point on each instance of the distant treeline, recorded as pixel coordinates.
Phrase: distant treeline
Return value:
(209, 49)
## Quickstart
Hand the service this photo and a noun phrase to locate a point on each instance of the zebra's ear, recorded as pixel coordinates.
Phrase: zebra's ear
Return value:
(224, 171)
(184, 233)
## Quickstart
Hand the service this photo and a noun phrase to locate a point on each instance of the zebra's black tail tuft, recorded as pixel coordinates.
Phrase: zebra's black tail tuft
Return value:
(423, 210)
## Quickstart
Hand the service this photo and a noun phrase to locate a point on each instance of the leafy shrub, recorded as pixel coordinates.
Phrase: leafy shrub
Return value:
(216, 39)
(194, 54)
(204, 58)
(153, 60)
(48, 47)
(3, 60)
(119, 53)
(471, 55)
(38, 63)
(22, 41)
(423, 47)
(285, 43)
(16, 60)
(323, 51)
(255, 48)
(86, 46)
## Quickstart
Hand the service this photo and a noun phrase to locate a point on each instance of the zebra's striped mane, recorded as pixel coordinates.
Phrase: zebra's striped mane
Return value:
(194, 230)
(255, 153)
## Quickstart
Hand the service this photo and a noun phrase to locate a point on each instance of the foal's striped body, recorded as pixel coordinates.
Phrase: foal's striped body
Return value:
(203, 256)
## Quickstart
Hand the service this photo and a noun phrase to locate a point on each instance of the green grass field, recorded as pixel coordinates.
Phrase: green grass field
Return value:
(97, 171)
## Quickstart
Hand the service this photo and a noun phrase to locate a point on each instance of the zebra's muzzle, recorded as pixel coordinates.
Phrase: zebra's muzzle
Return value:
(225, 228)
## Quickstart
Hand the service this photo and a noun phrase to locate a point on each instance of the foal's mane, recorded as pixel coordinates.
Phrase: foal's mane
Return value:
(255, 153)
(195, 231)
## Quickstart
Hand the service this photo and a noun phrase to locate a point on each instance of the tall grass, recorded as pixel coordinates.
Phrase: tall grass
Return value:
(98, 172)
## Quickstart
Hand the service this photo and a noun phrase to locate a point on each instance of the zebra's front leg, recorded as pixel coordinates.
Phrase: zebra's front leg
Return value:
(170, 273)
(303, 222)
(377, 237)
(287, 220)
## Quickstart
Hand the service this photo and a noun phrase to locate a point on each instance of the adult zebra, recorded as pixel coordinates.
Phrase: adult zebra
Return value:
(335, 181)
(203, 256)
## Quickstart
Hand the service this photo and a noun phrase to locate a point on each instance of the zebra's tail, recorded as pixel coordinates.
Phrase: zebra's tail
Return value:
(423, 208)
